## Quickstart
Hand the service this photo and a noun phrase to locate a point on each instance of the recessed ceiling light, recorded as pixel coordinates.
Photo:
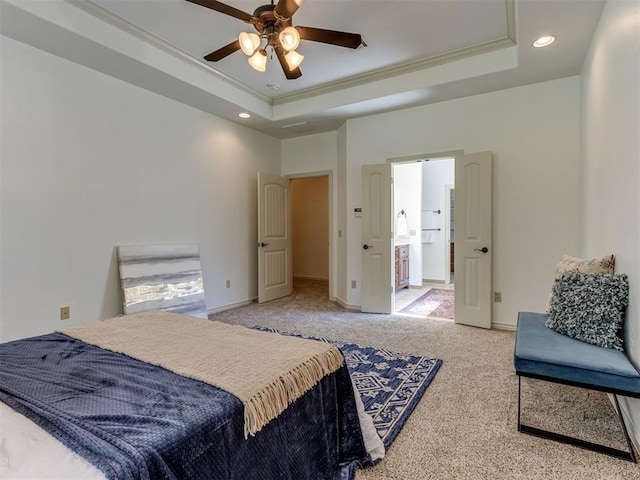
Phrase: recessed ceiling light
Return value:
(544, 41)
(244, 115)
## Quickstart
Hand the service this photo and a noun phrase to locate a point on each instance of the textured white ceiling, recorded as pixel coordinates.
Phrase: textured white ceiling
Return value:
(419, 51)
(396, 32)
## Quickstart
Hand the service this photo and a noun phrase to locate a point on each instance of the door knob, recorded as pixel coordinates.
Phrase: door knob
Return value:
(483, 249)
(366, 247)
(263, 244)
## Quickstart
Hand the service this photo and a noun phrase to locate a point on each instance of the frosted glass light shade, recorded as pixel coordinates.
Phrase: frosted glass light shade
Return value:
(258, 60)
(289, 39)
(294, 59)
(248, 42)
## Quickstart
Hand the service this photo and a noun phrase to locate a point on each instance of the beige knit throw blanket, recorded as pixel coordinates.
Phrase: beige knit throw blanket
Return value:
(265, 371)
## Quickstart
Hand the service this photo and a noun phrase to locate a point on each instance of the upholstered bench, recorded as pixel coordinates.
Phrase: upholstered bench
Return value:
(543, 354)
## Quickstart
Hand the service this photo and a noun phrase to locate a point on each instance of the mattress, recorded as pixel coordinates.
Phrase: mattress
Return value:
(182, 428)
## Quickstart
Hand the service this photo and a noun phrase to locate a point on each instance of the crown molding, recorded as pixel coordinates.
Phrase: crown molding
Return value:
(389, 72)
(384, 73)
(381, 74)
(101, 13)
(511, 20)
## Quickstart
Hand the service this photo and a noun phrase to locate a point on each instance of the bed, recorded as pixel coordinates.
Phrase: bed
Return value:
(159, 395)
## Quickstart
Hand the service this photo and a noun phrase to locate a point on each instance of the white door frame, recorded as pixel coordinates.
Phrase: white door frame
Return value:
(332, 218)
(426, 158)
(447, 226)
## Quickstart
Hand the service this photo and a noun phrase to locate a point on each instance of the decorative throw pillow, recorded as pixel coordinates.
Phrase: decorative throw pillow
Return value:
(605, 264)
(589, 307)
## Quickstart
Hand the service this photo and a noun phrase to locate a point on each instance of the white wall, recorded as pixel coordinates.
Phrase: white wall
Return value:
(407, 196)
(436, 175)
(313, 155)
(611, 156)
(533, 132)
(89, 162)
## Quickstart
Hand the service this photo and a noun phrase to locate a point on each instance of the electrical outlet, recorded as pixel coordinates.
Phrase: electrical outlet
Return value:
(353, 284)
(497, 296)
(65, 313)
(228, 283)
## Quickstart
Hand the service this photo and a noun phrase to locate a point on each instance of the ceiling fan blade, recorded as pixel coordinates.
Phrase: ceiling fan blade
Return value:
(223, 52)
(224, 8)
(290, 74)
(286, 8)
(333, 37)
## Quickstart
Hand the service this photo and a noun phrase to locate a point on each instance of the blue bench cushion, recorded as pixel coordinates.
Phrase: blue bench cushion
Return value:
(541, 351)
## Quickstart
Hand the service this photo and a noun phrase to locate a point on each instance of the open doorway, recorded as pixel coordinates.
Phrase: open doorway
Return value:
(310, 234)
(424, 237)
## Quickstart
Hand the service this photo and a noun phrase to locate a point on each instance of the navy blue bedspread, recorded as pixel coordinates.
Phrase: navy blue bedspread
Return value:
(134, 420)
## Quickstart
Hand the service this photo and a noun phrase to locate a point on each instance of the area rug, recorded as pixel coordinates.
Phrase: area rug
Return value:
(390, 384)
(437, 302)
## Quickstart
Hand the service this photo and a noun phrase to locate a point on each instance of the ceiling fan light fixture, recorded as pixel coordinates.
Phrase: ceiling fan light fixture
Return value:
(289, 38)
(294, 59)
(275, 32)
(259, 60)
(249, 42)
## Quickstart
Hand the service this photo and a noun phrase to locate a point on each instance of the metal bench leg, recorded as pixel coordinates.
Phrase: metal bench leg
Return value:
(519, 393)
(595, 447)
(626, 432)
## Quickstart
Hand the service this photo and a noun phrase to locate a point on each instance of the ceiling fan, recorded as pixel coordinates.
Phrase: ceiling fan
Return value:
(275, 31)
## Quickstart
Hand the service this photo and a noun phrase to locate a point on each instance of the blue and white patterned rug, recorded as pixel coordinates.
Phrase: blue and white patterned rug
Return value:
(390, 384)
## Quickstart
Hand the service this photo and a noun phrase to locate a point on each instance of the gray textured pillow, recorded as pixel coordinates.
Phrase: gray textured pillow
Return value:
(604, 264)
(589, 307)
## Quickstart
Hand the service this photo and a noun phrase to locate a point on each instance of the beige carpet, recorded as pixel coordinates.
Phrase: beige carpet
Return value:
(465, 425)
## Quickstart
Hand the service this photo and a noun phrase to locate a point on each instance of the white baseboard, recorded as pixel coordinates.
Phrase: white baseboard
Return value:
(231, 306)
(503, 326)
(343, 304)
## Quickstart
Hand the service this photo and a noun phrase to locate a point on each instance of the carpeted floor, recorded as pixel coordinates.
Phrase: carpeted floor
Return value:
(464, 427)
(437, 303)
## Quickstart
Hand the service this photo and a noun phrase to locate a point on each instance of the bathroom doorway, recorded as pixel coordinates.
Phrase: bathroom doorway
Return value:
(424, 209)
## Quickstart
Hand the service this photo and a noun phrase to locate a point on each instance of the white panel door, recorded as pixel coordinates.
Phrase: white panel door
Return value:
(473, 254)
(377, 271)
(275, 271)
